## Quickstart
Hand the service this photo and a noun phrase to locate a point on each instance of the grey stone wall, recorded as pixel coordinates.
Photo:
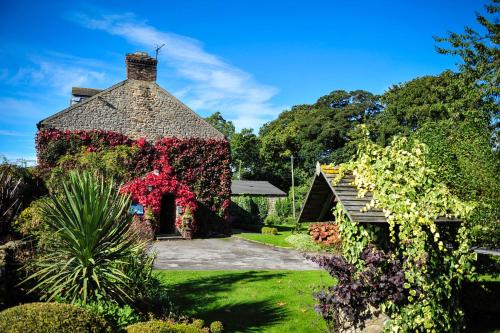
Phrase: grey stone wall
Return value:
(136, 108)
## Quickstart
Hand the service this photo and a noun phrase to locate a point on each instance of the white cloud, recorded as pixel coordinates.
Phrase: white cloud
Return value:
(16, 110)
(57, 74)
(12, 133)
(214, 84)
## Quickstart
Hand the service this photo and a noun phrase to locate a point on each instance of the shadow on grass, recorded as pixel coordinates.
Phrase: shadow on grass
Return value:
(481, 302)
(200, 298)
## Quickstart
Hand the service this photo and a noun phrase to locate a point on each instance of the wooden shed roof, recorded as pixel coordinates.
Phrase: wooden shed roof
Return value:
(323, 196)
(255, 187)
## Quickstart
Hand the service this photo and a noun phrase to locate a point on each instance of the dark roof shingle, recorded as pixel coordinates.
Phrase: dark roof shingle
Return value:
(255, 187)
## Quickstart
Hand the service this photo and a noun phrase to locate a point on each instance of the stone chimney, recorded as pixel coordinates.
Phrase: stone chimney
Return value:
(140, 66)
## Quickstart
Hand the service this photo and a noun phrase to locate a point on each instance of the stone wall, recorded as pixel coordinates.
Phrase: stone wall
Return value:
(138, 109)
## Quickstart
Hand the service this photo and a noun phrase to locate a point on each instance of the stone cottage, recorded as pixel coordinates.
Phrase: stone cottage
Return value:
(186, 153)
(136, 107)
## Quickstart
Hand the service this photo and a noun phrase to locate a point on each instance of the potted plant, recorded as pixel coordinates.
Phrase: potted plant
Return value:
(149, 222)
(187, 224)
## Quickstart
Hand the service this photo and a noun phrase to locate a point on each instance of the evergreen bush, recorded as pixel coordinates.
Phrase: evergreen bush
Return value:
(51, 318)
(269, 231)
(157, 326)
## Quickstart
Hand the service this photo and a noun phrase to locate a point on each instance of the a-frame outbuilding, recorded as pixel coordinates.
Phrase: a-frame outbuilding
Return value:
(323, 196)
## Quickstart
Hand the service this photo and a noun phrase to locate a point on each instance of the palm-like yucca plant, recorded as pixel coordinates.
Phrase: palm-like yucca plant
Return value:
(90, 248)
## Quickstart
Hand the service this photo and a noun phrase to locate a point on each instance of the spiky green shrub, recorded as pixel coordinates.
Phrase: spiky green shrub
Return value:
(50, 318)
(90, 252)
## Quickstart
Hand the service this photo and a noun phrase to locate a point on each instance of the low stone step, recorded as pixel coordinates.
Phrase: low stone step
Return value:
(169, 237)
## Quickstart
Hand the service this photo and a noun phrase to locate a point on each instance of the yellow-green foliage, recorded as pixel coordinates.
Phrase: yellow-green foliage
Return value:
(157, 326)
(406, 188)
(216, 327)
(269, 231)
(29, 222)
(114, 162)
(50, 318)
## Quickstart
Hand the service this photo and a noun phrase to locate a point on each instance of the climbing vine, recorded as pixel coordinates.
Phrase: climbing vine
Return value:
(435, 259)
(196, 170)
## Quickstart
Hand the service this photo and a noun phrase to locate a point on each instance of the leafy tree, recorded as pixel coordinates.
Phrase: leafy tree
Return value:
(245, 153)
(224, 126)
(453, 117)
(410, 105)
(479, 51)
(456, 115)
(313, 133)
(466, 163)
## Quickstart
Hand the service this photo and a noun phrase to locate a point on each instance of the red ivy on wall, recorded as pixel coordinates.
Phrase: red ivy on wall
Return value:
(197, 171)
(149, 190)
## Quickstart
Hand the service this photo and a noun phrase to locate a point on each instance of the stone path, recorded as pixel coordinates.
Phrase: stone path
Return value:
(225, 254)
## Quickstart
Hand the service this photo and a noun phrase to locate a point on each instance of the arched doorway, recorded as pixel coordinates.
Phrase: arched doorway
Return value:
(167, 214)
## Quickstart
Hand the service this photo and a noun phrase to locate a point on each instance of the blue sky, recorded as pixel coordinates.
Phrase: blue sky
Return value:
(247, 59)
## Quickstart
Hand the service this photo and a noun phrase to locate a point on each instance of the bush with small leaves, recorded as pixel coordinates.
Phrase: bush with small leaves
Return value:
(199, 323)
(216, 327)
(269, 231)
(157, 326)
(119, 316)
(51, 318)
(272, 220)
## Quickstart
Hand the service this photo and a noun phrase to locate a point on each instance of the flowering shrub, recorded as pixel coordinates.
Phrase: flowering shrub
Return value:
(325, 233)
(347, 303)
(195, 170)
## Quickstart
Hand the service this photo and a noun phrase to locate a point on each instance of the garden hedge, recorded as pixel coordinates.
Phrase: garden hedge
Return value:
(157, 326)
(50, 318)
(269, 231)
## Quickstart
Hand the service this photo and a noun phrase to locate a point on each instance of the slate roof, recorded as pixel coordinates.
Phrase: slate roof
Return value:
(86, 92)
(323, 196)
(135, 108)
(255, 187)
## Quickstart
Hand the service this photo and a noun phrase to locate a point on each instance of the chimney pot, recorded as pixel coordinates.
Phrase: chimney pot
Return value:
(140, 66)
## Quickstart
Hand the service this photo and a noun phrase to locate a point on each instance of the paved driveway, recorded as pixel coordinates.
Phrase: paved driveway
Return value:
(225, 254)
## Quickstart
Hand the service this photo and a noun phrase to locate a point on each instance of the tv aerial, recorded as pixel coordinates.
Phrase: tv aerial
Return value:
(157, 50)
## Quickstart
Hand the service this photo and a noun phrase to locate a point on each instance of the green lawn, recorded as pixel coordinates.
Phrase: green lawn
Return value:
(276, 240)
(249, 301)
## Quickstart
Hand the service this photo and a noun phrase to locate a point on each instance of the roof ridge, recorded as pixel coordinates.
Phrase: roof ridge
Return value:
(74, 106)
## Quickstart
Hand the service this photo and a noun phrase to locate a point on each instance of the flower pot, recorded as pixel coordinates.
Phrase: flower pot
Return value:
(187, 233)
